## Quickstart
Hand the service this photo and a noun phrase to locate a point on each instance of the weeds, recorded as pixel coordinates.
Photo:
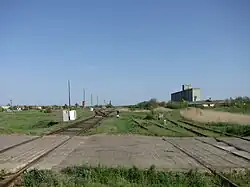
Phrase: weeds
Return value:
(239, 130)
(242, 178)
(103, 176)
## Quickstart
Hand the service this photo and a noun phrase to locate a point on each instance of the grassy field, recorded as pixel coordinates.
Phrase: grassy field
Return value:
(35, 122)
(122, 125)
(233, 129)
(126, 125)
(125, 177)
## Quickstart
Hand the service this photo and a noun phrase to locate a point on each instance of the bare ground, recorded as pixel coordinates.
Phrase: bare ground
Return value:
(206, 116)
(110, 150)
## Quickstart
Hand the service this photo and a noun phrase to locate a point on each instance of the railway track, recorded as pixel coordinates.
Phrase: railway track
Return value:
(217, 139)
(164, 127)
(80, 128)
(220, 144)
(212, 130)
(226, 182)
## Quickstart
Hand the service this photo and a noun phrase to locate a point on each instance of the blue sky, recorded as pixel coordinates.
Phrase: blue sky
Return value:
(122, 50)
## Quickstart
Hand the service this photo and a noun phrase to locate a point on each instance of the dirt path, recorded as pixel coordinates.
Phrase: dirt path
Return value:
(207, 116)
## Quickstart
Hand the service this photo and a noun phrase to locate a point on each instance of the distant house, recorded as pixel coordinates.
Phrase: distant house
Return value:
(6, 107)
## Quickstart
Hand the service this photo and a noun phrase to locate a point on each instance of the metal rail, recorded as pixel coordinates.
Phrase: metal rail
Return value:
(52, 133)
(226, 182)
(164, 127)
(143, 127)
(235, 154)
(39, 137)
(16, 145)
(188, 129)
(218, 140)
(70, 126)
(8, 181)
(213, 130)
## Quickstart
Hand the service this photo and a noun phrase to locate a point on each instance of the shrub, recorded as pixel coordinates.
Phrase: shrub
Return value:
(177, 105)
(48, 110)
(235, 129)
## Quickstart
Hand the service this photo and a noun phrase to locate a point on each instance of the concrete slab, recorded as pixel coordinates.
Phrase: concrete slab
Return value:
(59, 154)
(227, 147)
(141, 151)
(243, 144)
(210, 155)
(14, 159)
(11, 140)
(124, 150)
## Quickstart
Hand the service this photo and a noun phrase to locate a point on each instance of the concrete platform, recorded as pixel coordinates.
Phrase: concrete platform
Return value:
(10, 140)
(243, 144)
(210, 155)
(235, 146)
(141, 151)
(125, 150)
(13, 159)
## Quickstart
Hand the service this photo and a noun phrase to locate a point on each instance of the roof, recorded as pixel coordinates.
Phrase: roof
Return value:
(5, 107)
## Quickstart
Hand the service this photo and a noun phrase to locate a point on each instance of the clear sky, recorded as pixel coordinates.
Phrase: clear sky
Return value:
(122, 50)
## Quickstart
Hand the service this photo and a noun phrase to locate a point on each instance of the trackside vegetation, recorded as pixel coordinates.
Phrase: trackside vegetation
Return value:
(125, 177)
(35, 122)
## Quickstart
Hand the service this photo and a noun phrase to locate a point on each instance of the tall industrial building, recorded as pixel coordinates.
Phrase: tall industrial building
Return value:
(188, 94)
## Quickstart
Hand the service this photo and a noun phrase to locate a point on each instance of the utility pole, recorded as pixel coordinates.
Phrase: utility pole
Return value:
(69, 93)
(84, 96)
(91, 100)
(69, 97)
(97, 100)
(11, 108)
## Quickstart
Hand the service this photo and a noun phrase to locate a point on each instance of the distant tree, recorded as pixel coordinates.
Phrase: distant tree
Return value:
(65, 106)
(163, 104)
(153, 103)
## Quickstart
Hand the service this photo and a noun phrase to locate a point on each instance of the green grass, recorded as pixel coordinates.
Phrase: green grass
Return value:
(234, 129)
(203, 131)
(35, 122)
(240, 178)
(183, 132)
(125, 125)
(126, 177)
(122, 125)
(116, 177)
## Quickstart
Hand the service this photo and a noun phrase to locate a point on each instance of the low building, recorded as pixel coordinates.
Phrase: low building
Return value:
(203, 104)
(187, 93)
(5, 107)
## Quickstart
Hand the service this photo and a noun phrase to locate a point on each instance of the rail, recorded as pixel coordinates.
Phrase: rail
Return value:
(217, 139)
(10, 179)
(226, 182)
(213, 130)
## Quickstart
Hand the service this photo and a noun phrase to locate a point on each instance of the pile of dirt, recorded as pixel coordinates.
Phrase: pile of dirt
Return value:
(207, 116)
